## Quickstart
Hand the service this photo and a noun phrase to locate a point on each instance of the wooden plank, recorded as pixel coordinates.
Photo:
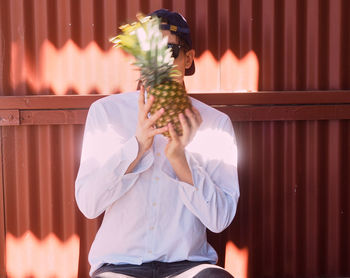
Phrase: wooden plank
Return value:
(47, 102)
(53, 117)
(9, 117)
(287, 113)
(237, 113)
(2, 213)
(273, 98)
(257, 98)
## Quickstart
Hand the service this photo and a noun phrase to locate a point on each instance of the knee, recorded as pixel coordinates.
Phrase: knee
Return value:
(213, 273)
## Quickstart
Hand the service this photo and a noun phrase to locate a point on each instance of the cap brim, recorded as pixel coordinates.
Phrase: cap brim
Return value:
(190, 70)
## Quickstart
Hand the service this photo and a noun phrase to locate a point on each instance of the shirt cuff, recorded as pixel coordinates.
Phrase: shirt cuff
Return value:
(130, 150)
(123, 160)
(129, 154)
(198, 177)
(200, 189)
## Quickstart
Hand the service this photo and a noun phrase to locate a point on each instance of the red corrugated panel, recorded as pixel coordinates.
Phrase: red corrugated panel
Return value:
(293, 218)
(61, 46)
(46, 235)
(293, 215)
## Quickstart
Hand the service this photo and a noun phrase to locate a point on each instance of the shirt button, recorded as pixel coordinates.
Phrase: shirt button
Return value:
(149, 252)
(154, 204)
(157, 154)
(151, 228)
(156, 178)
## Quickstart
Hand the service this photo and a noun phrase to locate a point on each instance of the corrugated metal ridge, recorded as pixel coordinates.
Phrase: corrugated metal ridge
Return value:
(2, 211)
(267, 97)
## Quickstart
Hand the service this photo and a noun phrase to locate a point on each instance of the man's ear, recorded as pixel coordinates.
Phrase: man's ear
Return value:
(189, 58)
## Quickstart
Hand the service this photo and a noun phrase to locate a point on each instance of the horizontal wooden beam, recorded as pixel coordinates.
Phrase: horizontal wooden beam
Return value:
(287, 112)
(236, 113)
(53, 117)
(273, 98)
(260, 106)
(257, 98)
(47, 102)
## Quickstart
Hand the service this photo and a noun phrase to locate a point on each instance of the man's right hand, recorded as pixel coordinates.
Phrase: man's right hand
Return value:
(146, 130)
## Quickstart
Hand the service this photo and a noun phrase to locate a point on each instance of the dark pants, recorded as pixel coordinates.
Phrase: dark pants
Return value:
(181, 269)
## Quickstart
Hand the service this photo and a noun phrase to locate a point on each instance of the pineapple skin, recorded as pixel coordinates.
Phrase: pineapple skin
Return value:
(171, 96)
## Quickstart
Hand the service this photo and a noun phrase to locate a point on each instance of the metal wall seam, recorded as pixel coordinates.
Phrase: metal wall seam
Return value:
(2, 212)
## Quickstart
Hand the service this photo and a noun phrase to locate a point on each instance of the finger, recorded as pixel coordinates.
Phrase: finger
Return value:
(152, 120)
(141, 103)
(141, 100)
(197, 115)
(172, 132)
(149, 103)
(160, 130)
(192, 118)
(185, 126)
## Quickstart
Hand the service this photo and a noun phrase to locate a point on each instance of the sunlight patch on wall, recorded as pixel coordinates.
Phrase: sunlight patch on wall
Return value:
(49, 257)
(236, 260)
(206, 77)
(239, 74)
(72, 68)
(93, 70)
(230, 74)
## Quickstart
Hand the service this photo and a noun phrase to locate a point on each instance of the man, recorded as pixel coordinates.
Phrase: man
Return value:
(158, 196)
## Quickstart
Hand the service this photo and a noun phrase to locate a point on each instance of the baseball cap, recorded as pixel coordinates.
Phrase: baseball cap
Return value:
(177, 25)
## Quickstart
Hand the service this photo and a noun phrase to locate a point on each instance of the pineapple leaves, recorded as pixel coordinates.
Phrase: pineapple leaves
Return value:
(144, 40)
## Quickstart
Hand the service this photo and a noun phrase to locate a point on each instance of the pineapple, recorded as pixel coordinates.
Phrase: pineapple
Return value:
(144, 40)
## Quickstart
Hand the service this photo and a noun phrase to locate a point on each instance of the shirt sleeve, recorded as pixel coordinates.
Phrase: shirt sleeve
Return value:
(105, 157)
(214, 196)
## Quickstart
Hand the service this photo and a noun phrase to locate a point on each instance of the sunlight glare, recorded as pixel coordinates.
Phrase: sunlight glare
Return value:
(210, 137)
(100, 145)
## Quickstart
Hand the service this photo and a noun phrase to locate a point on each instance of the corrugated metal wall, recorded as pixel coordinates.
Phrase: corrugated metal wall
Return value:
(61, 46)
(293, 216)
(46, 236)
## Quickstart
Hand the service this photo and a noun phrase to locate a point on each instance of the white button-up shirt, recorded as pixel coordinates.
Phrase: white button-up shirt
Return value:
(150, 215)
